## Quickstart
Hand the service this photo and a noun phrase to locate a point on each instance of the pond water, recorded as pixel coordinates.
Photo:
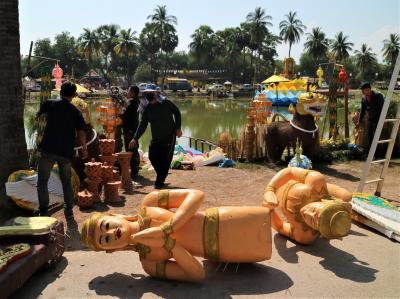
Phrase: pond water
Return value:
(201, 118)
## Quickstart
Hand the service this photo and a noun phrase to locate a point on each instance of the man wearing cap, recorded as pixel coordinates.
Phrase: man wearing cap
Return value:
(371, 103)
(165, 120)
(63, 122)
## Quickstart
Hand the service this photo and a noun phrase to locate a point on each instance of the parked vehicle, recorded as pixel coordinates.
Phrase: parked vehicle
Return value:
(176, 84)
(215, 87)
(246, 87)
(35, 87)
(143, 86)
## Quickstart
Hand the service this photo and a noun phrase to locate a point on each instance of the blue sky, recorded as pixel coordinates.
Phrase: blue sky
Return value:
(364, 21)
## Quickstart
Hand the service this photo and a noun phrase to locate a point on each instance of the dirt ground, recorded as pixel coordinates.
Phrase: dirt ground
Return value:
(243, 185)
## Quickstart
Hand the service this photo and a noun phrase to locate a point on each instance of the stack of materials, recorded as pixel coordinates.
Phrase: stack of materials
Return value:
(377, 213)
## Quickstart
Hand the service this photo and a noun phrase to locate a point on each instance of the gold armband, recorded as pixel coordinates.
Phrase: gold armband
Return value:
(166, 227)
(163, 198)
(169, 243)
(304, 173)
(160, 269)
(270, 188)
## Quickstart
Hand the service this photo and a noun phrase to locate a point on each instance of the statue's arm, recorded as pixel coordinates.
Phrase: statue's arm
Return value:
(185, 267)
(339, 192)
(186, 201)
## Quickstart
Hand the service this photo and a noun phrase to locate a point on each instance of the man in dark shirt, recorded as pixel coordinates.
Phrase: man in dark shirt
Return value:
(63, 120)
(165, 120)
(371, 103)
(130, 122)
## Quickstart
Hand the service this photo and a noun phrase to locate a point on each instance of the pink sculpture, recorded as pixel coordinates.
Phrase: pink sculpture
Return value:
(57, 74)
(85, 199)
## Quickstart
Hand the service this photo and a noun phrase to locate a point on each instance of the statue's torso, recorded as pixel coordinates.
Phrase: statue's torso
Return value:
(230, 234)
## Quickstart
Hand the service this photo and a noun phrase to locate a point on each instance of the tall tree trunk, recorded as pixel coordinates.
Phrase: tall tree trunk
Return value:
(13, 153)
(290, 48)
(244, 67)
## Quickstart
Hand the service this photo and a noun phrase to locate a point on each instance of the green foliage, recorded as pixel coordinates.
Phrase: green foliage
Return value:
(143, 73)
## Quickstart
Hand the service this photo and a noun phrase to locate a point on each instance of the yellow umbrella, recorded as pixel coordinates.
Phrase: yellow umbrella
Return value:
(79, 89)
(275, 79)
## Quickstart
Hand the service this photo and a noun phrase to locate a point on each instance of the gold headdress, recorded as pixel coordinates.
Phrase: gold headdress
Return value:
(88, 230)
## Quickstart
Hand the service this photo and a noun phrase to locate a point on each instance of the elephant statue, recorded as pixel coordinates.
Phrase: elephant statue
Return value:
(302, 127)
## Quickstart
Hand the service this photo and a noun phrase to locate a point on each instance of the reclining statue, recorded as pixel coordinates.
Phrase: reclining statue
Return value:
(303, 206)
(170, 227)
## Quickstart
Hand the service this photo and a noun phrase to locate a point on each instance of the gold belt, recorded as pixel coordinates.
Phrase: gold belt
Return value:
(211, 234)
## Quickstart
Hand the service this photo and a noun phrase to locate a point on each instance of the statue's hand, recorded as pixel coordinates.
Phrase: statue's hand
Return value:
(270, 200)
(153, 237)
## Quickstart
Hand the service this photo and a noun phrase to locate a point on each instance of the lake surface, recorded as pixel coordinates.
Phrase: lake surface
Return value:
(201, 118)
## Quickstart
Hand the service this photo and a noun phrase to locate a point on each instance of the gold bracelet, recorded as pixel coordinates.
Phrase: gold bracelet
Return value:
(166, 227)
(169, 243)
(163, 198)
(270, 188)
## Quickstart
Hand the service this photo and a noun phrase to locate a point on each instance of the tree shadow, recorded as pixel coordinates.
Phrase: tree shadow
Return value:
(341, 263)
(250, 279)
(34, 287)
(326, 170)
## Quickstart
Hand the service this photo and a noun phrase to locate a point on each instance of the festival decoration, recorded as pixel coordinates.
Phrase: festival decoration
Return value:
(109, 117)
(57, 73)
(302, 126)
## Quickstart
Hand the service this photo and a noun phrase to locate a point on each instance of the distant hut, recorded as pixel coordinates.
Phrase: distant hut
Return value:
(93, 80)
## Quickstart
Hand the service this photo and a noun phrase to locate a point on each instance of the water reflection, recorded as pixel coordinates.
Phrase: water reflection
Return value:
(201, 118)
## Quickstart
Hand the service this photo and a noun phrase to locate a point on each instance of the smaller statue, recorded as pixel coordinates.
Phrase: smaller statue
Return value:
(169, 227)
(320, 74)
(305, 206)
(300, 160)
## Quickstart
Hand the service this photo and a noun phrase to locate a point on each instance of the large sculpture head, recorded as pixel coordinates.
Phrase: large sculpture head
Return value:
(108, 232)
(311, 103)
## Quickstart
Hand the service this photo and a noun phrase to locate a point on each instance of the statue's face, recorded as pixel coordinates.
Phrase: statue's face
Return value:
(313, 104)
(112, 232)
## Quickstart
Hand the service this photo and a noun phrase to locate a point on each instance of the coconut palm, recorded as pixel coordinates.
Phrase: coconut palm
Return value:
(89, 44)
(202, 44)
(109, 36)
(163, 23)
(340, 47)
(13, 153)
(365, 60)
(291, 29)
(150, 45)
(127, 47)
(258, 21)
(163, 26)
(316, 44)
(391, 48)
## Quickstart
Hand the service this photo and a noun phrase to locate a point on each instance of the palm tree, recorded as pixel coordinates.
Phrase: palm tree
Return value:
(365, 60)
(316, 44)
(127, 46)
(243, 41)
(89, 44)
(13, 153)
(258, 21)
(291, 29)
(202, 44)
(109, 38)
(391, 48)
(340, 47)
(150, 45)
(163, 28)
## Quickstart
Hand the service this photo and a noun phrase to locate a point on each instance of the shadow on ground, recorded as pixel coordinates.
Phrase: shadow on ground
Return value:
(40, 280)
(341, 263)
(249, 279)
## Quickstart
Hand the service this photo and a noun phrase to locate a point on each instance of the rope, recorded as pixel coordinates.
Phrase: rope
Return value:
(304, 130)
(91, 141)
